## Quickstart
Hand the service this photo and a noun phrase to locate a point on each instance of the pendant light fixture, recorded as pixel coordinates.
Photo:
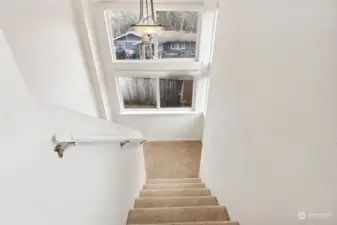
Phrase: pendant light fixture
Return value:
(147, 23)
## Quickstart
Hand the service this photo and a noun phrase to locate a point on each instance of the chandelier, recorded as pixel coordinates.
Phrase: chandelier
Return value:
(147, 23)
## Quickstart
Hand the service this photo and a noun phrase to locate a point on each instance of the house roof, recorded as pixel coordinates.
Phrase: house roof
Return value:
(173, 36)
(167, 36)
(126, 34)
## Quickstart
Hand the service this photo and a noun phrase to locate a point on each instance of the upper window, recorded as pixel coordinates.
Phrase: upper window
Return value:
(177, 40)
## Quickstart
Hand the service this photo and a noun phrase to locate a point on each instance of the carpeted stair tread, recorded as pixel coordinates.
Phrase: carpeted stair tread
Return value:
(174, 186)
(175, 201)
(171, 181)
(175, 192)
(199, 223)
(177, 214)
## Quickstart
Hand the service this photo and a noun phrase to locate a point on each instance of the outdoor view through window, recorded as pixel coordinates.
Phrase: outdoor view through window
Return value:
(177, 40)
(141, 93)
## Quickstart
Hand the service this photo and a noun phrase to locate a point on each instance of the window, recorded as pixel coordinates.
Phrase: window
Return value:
(147, 93)
(184, 47)
(178, 46)
(120, 44)
(174, 45)
(138, 92)
(177, 40)
(176, 93)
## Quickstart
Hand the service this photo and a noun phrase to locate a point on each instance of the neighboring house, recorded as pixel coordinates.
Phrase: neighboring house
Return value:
(127, 40)
(171, 43)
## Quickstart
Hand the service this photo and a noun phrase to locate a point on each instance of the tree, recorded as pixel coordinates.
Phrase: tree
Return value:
(122, 21)
(183, 21)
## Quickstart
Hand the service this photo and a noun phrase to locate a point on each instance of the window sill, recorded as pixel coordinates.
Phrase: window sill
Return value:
(158, 65)
(159, 112)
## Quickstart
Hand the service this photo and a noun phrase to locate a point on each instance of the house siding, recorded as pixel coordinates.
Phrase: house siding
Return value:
(187, 52)
(126, 45)
(128, 41)
(189, 46)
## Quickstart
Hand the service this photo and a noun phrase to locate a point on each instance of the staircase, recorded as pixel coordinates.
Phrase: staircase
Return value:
(184, 201)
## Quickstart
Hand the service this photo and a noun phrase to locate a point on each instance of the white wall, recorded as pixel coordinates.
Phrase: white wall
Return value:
(165, 127)
(44, 41)
(271, 126)
(92, 184)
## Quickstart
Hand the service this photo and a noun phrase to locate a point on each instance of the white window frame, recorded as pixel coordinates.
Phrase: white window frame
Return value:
(182, 45)
(173, 47)
(179, 44)
(158, 109)
(198, 66)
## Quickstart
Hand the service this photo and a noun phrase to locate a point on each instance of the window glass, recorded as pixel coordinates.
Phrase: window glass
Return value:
(138, 92)
(176, 93)
(177, 40)
(141, 93)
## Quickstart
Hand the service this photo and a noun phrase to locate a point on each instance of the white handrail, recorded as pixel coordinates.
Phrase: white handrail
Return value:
(65, 140)
(70, 137)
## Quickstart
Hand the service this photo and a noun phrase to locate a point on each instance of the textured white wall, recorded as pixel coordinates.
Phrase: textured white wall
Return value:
(165, 127)
(44, 41)
(270, 135)
(92, 184)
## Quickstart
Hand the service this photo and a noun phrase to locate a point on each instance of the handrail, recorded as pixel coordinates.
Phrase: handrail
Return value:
(65, 140)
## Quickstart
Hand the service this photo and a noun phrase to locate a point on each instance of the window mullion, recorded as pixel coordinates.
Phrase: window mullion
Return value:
(197, 46)
(156, 42)
(156, 55)
(158, 92)
(194, 93)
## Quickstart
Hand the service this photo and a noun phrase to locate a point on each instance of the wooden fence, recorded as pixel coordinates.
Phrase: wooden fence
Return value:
(141, 92)
(138, 92)
(171, 93)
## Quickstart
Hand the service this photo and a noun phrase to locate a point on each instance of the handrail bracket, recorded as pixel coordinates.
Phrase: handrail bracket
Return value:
(123, 143)
(61, 147)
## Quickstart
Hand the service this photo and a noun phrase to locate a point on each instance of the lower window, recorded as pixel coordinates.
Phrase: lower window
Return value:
(156, 93)
(138, 92)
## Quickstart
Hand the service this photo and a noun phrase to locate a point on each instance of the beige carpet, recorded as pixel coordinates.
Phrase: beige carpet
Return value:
(173, 194)
(172, 159)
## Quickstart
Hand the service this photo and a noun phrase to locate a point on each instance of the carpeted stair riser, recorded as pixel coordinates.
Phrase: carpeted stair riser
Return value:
(175, 201)
(175, 192)
(199, 223)
(171, 181)
(174, 186)
(177, 215)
